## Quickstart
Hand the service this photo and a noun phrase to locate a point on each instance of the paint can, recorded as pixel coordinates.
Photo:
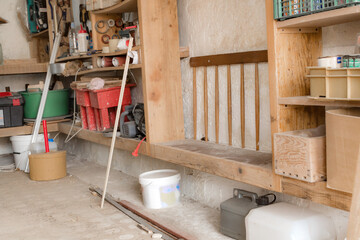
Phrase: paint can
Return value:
(106, 62)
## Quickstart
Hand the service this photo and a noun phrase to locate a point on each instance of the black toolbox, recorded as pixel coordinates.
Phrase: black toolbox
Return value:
(11, 111)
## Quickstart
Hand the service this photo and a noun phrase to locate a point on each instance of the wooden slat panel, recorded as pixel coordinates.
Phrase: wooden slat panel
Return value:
(229, 103)
(205, 104)
(217, 104)
(257, 106)
(161, 73)
(230, 58)
(194, 102)
(242, 105)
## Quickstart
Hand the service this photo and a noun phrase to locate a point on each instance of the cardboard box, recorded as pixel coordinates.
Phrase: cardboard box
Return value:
(342, 147)
(301, 154)
(47, 166)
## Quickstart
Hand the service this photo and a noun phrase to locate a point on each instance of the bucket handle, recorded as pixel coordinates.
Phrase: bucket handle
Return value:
(239, 193)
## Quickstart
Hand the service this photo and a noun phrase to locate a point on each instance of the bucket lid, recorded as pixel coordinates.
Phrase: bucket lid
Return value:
(159, 176)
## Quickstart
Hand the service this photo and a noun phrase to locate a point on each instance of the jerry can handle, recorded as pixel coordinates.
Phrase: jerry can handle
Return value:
(239, 193)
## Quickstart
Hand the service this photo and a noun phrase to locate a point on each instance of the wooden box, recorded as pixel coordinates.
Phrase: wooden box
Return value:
(336, 86)
(301, 154)
(342, 151)
(317, 86)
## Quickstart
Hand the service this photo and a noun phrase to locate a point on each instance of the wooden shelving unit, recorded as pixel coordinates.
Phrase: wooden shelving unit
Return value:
(243, 165)
(311, 101)
(293, 45)
(323, 19)
(22, 130)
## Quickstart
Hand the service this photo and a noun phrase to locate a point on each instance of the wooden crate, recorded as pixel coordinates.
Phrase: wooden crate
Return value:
(342, 141)
(301, 154)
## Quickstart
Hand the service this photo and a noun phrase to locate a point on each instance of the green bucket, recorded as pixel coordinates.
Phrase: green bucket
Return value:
(57, 103)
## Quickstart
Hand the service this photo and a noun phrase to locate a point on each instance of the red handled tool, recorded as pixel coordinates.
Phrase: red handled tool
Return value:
(45, 136)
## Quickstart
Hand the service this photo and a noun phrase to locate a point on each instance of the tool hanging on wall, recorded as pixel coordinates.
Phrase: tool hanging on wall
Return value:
(84, 16)
(37, 15)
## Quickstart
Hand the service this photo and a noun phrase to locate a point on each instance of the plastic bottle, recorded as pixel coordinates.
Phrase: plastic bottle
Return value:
(39, 147)
(83, 40)
(72, 40)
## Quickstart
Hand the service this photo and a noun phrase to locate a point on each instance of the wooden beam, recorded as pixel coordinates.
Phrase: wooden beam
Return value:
(161, 73)
(229, 103)
(24, 130)
(217, 104)
(194, 102)
(316, 192)
(205, 104)
(230, 58)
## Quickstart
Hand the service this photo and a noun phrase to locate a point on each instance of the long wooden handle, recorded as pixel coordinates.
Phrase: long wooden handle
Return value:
(242, 105)
(194, 102)
(205, 104)
(257, 106)
(116, 125)
(229, 104)
(217, 103)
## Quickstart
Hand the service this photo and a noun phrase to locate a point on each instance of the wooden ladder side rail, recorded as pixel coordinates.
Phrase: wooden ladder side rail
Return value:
(229, 59)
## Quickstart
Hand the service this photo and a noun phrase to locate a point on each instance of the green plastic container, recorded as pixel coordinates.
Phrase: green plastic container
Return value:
(57, 103)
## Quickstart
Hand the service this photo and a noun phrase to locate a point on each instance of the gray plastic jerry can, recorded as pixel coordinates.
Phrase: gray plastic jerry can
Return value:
(235, 209)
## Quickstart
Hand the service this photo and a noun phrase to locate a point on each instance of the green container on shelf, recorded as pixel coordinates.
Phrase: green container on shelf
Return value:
(57, 103)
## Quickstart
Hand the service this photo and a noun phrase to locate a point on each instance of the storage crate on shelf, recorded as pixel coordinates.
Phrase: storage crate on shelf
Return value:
(301, 154)
(285, 9)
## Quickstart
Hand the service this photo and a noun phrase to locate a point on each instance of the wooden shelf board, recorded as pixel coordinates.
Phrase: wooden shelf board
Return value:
(23, 68)
(323, 19)
(107, 69)
(72, 58)
(310, 101)
(184, 52)
(42, 34)
(208, 157)
(121, 7)
(26, 129)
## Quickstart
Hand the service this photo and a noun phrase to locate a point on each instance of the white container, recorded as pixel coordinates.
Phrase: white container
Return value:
(160, 188)
(283, 221)
(83, 40)
(39, 147)
(21, 146)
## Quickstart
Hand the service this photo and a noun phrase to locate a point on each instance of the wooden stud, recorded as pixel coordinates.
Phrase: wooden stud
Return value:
(242, 105)
(194, 102)
(217, 103)
(257, 106)
(229, 103)
(205, 104)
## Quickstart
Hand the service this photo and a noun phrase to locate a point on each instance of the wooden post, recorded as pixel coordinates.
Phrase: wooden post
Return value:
(217, 103)
(354, 220)
(229, 103)
(242, 105)
(205, 104)
(194, 102)
(257, 106)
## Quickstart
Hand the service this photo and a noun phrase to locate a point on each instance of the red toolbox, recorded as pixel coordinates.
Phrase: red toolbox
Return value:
(105, 101)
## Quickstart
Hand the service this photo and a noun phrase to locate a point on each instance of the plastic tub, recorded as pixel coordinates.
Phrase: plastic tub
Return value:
(283, 221)
(57, 103)
(21, 146)
(160, 188)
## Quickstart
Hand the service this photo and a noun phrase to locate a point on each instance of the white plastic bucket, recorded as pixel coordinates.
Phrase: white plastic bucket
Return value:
(160, 188)
(21, 145)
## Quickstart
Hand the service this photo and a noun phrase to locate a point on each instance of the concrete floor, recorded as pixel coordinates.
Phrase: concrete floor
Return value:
(65, 208)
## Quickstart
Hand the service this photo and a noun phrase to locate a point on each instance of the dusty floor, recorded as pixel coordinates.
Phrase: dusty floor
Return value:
(65, 208)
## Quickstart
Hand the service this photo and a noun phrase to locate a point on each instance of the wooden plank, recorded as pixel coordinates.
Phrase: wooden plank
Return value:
(354, 220)
(194, 103)
(107, 69)
(316, 192)
(205, 104)
(257, 106)
(229, 104)
(24, 130)
(242, 105)
(2, 21)
(161, 73)
(42, 34)
(97, 37)
(121, 7)
(230, 58)
(23, 68)
(310, 101)
(233, 163)
(217, 104)
(323, 19)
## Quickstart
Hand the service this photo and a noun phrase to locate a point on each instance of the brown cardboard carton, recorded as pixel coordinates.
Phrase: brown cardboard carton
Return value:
(47, 166)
